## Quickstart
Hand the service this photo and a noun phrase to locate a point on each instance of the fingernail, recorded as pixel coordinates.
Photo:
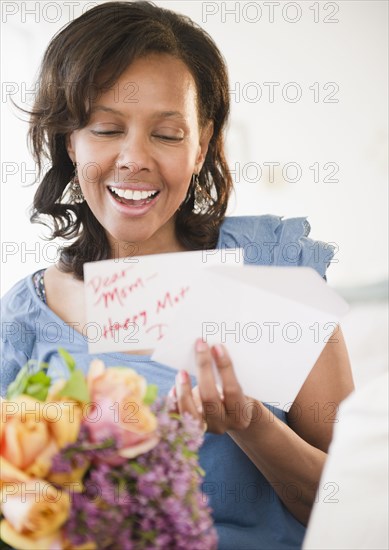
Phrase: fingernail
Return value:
(201, 345)
(183, 377)
(172, 393)
(219, 351)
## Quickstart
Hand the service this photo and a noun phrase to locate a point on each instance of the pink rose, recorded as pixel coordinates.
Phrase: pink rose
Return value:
(117, 409)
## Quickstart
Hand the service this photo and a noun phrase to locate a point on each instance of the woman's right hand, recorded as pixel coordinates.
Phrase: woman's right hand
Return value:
(220, 409)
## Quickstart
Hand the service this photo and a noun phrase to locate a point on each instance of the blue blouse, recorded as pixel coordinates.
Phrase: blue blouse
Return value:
(248, 513)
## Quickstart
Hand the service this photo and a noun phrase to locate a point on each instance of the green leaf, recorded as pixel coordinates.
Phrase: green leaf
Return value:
(35, 384)
(200, 471)
(18, 386)
(69, 361)
(76, 387)
(40, 378)
(148, 535)
(39, 391)
(151, 394)
(138, 468)
(187, 453)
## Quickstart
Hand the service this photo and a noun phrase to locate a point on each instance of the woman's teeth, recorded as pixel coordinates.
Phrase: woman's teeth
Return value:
(131, 194)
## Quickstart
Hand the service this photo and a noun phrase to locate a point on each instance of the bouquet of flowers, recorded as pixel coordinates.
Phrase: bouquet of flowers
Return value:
(98, 462)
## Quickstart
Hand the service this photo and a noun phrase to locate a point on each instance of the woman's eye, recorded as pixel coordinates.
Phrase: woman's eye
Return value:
(105, 132)
(168, 138)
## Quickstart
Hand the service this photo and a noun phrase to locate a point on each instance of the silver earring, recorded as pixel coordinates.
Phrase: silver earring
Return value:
(76, 194)
(202, 199)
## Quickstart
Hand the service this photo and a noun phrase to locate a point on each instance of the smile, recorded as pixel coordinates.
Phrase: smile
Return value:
(133, 194)
(133, 202)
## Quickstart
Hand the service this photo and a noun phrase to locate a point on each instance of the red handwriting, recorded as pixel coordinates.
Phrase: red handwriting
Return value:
(97, 283)
(142, 320)
(119, 294)
(170, 300)
(160, 327)
(111, 330)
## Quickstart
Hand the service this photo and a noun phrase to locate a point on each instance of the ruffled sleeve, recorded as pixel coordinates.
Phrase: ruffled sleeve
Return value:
(271, 240)
(18, 331)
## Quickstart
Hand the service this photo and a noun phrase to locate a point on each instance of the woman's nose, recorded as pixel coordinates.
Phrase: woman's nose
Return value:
(134, 155)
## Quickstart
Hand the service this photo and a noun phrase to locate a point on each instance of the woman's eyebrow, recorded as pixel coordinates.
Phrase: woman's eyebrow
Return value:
(168, 114)
(158, 114)
(105, 110)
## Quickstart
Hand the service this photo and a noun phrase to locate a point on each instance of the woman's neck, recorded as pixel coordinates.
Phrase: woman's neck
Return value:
(161, 244)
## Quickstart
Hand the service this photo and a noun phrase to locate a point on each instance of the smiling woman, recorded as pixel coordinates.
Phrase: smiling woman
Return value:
(142, 111)
(132, 106)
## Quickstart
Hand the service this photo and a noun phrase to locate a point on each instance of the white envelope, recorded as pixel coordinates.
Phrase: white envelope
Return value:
(274, 321)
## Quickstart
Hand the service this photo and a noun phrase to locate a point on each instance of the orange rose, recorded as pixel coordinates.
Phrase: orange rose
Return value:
(33, 432)
(34, 512)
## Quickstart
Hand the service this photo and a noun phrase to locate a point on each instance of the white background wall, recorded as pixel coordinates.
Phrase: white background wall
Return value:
(344, 123)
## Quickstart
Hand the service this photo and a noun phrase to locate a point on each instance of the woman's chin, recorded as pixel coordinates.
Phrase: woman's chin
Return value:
(138, 240)
(125, 245)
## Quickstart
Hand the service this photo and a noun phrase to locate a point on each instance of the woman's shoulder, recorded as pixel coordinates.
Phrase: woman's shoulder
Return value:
(20, 307)
(273, 240)
(17, 301)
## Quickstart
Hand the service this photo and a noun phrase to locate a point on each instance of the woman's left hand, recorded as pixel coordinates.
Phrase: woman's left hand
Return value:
(220, 410)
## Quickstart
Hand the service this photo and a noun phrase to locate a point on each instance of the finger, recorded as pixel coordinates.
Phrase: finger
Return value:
(226, 371)
(209, 394)
(185, 401)
(199, 406)
(197, 399)
(234, 398)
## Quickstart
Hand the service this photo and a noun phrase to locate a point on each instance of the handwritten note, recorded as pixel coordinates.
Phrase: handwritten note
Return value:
(130, 302)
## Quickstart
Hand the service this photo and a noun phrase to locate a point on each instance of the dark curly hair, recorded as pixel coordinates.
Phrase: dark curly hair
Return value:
(91, 53)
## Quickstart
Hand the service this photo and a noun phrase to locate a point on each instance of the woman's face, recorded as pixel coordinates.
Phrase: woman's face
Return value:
(136, 156)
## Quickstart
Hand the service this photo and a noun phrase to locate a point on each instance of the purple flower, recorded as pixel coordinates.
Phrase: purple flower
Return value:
(151, 502)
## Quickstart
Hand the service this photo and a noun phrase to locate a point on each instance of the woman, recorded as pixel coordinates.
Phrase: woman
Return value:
(132, 106)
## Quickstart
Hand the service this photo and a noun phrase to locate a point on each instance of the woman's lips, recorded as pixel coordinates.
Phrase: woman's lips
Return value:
(133, 207)
(134, 194)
